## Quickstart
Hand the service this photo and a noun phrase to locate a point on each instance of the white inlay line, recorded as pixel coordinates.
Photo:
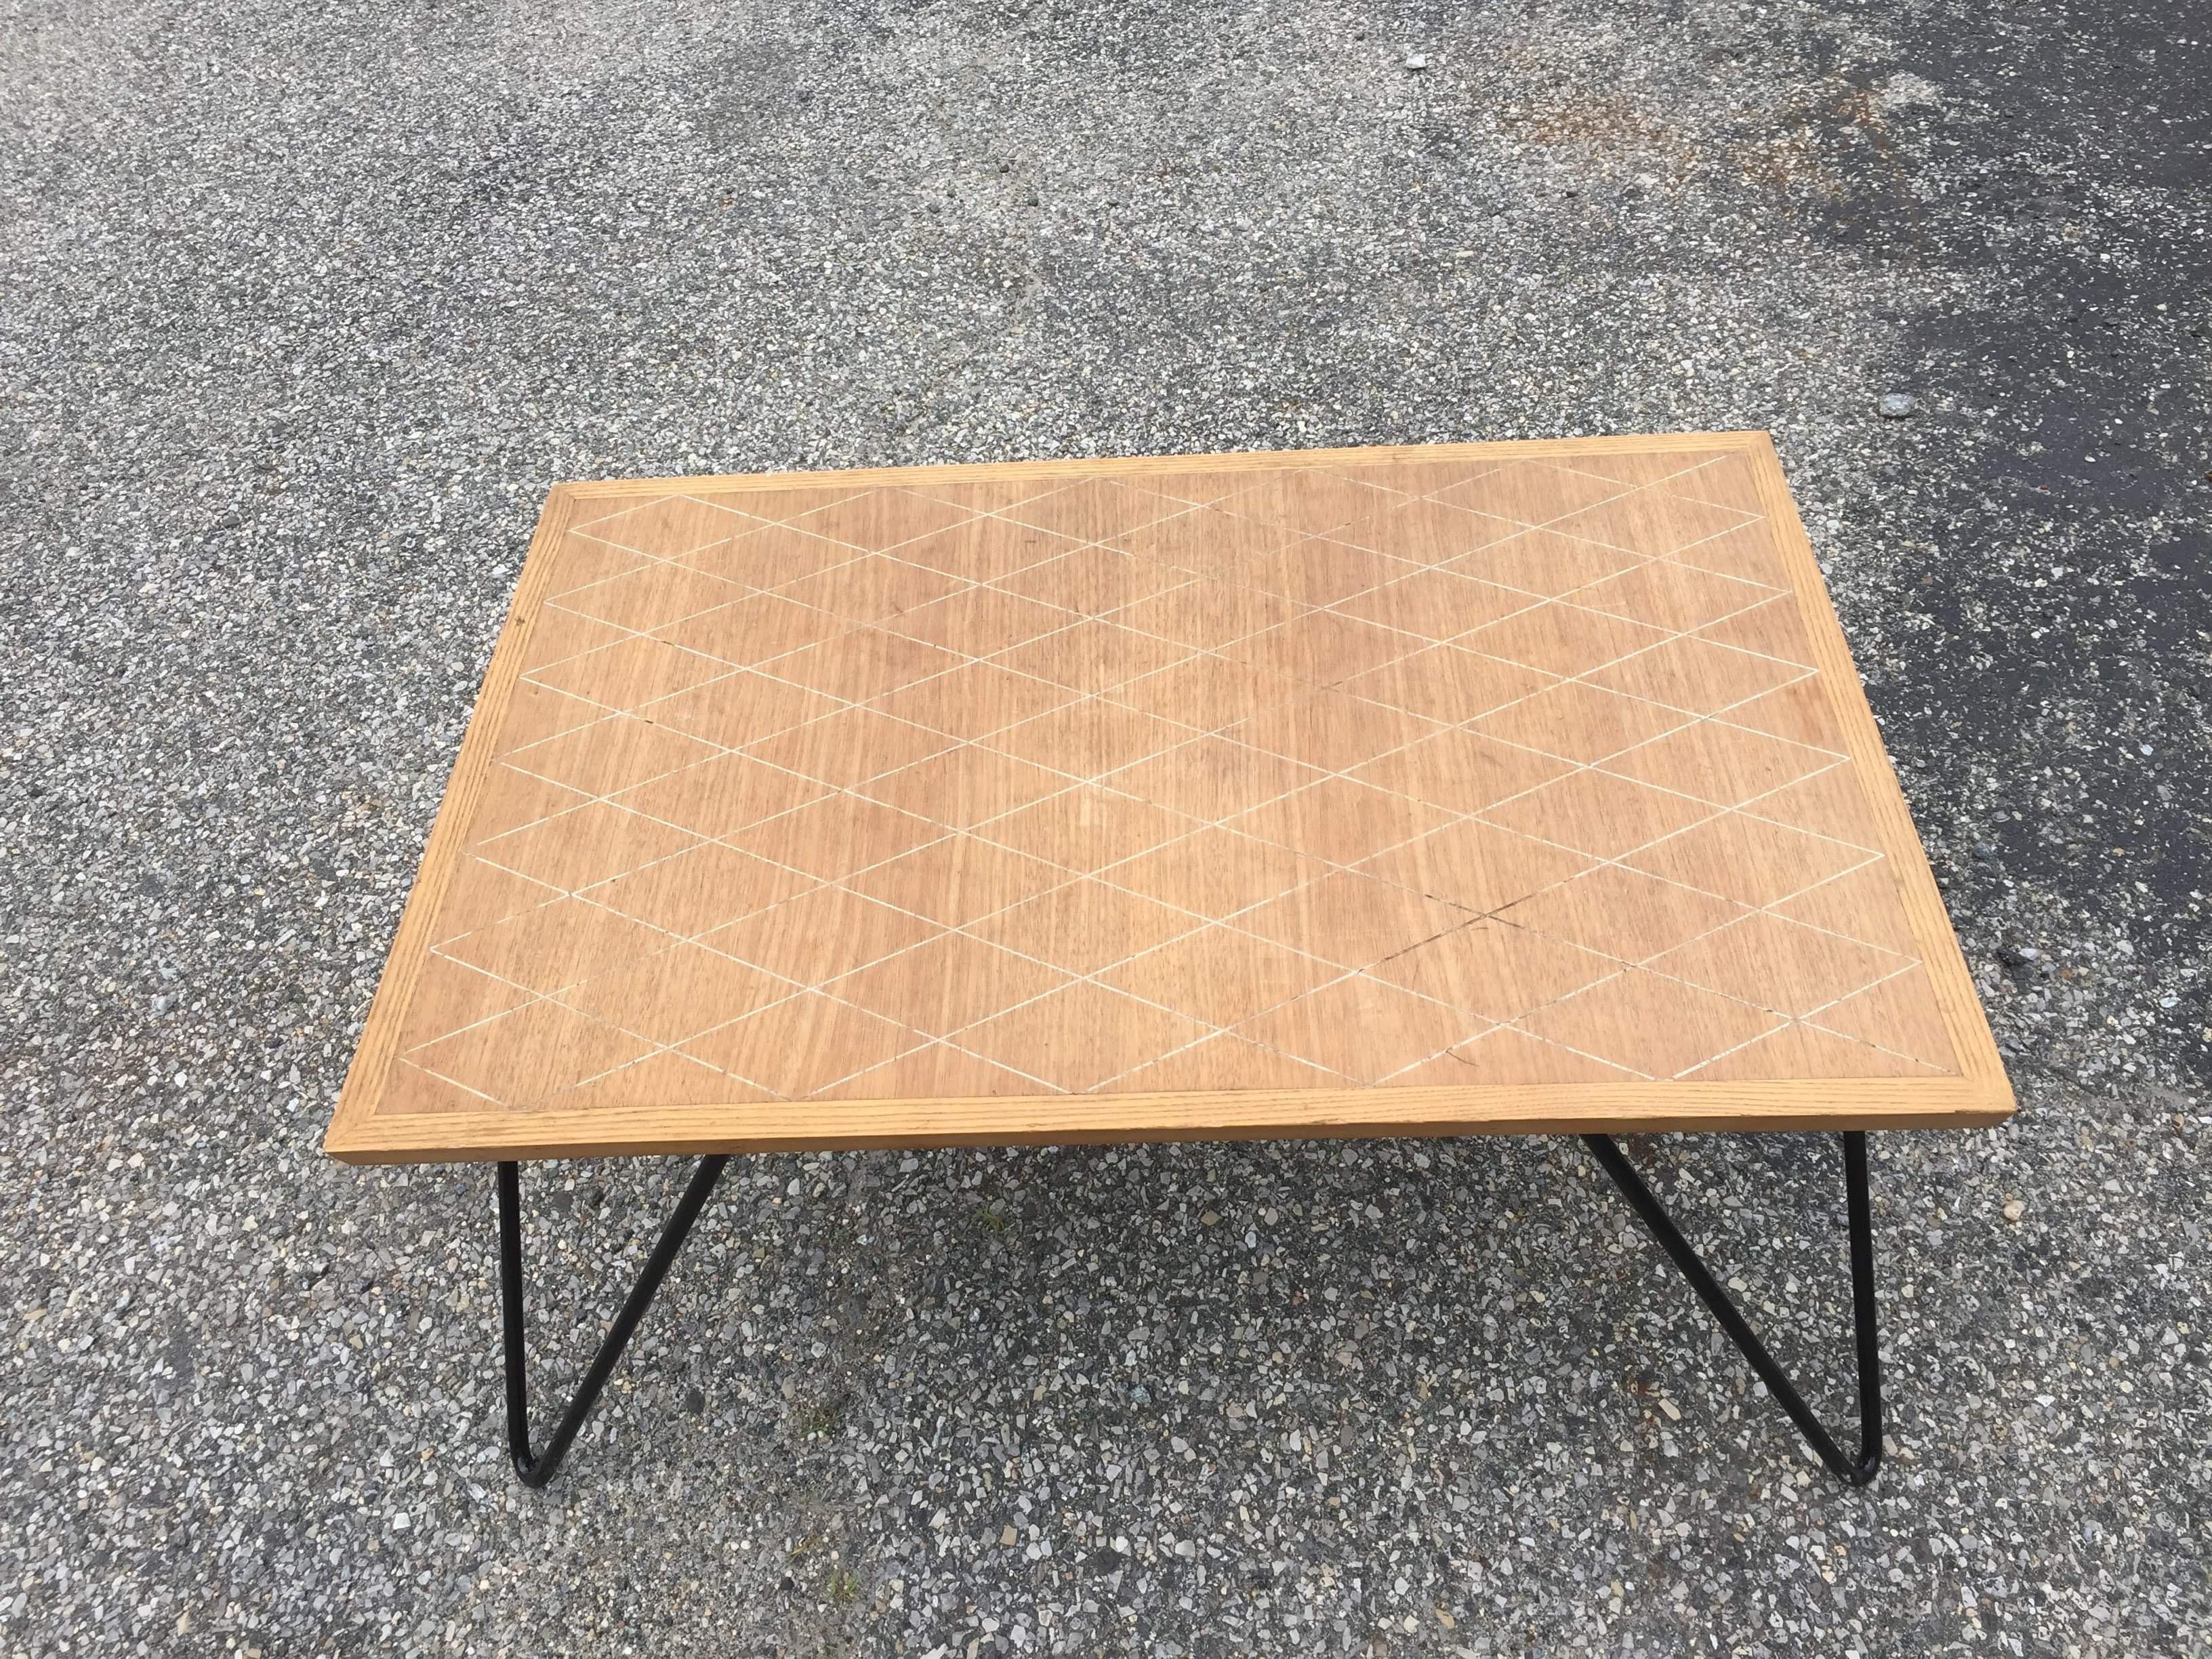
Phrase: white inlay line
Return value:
(1391, 569)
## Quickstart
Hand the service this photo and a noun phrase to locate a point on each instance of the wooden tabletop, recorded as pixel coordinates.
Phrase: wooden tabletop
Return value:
(1493, 786)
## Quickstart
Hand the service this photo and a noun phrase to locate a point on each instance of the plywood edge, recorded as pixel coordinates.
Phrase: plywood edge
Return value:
(442, 854)
(1056, 1120)
(1110, 466)
(1972, 1044)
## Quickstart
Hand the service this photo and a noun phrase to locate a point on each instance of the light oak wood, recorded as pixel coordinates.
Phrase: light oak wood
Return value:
(1517, 787)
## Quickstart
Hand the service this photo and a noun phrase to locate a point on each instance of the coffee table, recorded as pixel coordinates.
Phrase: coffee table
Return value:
(1467, 788)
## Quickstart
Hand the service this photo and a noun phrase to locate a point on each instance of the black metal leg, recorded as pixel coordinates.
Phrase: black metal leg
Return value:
(1858, 1471)
(536, 1468)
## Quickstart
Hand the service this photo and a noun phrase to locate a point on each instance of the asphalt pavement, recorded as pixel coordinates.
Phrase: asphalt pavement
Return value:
(304, 307)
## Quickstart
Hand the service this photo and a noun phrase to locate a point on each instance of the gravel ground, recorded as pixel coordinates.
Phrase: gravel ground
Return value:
(307, 305)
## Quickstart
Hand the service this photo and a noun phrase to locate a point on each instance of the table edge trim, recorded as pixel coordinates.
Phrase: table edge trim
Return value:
(1045, 1120)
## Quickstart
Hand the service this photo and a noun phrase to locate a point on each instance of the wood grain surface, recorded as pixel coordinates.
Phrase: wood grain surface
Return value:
(1522, 787)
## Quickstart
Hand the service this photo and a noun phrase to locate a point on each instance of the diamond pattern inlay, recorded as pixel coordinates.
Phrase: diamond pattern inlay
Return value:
(513, 799)
(666, 529)
(1362, 1028)
(756, 630)
(1316, 772)
(769, 557)
(979, 622)
(584, 563)
(801, 1045)
(674, 993)
(651, 596)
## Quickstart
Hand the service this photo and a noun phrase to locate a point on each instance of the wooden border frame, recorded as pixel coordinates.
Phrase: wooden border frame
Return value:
(1980, 1094)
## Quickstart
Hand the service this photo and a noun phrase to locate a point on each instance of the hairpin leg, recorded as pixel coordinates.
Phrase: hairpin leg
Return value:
(536, 1468)
(1857, 1470)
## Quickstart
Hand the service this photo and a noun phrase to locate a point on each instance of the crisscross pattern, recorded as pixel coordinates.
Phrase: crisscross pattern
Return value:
(1363, 774)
